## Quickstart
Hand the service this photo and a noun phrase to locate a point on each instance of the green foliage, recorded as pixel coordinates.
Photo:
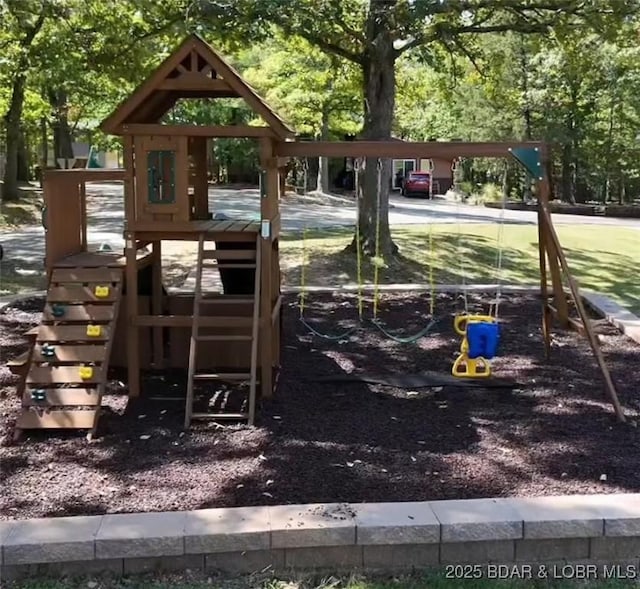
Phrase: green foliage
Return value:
(305, 85)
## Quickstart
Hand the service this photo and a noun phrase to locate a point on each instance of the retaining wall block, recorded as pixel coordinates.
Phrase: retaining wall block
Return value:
(135, 535)
(477, 520)
(52, 540)
(300, 526)
(396, 523)
(227, 530)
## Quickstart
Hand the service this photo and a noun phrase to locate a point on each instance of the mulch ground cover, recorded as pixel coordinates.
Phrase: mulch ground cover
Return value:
(553, 433)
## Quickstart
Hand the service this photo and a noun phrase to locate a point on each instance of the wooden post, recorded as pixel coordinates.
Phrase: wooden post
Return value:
(131, 273)
(83, 214)
(156, 303)
(129, 185)
(198, 151)
(544, 287)
(268, 212)
(133, 333)
(560, 299)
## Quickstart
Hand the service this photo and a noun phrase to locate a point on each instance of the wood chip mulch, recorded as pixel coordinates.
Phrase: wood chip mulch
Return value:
(554, 433)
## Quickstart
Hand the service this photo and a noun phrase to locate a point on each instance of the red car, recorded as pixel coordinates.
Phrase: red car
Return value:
(417, 183)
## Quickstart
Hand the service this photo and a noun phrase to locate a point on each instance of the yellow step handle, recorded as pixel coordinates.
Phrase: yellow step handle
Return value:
(94, 330)
(86, 372)
(102, 292)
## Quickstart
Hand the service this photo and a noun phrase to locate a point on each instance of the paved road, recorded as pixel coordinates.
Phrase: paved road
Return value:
(105, 212)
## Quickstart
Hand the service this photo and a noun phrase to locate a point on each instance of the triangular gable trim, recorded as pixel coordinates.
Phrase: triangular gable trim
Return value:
(113, 123)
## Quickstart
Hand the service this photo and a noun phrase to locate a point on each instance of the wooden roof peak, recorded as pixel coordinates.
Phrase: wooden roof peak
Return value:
(193, 70)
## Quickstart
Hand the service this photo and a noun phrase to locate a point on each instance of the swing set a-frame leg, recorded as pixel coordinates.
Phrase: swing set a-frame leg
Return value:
(555, 255)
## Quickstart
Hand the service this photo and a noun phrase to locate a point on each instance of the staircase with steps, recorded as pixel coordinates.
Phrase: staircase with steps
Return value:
(66, 366)
(225, 260)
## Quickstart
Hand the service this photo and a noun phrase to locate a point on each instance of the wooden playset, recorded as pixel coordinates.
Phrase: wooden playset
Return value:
(96, 313)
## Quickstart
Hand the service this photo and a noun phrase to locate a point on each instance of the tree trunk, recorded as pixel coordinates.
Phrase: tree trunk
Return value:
(378, 70)
(13, 116)
(323, 162)
(62, 141)
(12, 125)
(24, 159)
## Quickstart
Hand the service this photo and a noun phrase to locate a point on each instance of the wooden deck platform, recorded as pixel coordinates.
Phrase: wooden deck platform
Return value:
(227, 230)
(100, 260)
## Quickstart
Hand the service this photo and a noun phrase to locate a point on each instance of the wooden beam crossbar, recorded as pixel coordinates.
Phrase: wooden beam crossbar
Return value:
(400, 149)
(197, 130)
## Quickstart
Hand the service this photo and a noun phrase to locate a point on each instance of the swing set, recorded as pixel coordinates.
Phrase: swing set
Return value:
(480, 333)
(375, 320)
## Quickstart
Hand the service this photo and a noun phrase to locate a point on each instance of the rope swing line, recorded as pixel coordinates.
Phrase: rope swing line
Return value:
(499, 275)
(303, 295)
(376, 275)
(456, 167)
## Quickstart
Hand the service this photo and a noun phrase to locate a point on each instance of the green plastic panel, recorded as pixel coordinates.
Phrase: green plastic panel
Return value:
(529, 157)
(161, 177)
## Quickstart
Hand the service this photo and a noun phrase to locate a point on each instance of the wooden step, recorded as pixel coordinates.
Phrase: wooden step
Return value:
(69, 353)
(223, 376)
(226, 266)
(44, 375)
(224, 338)
(187, 321)
(57, 419)
(219, 416)
(79, 294)
(229, 255)
(70, 333)
(18, 364)
(33, 332)
(227, 301)
(86, 313)
(57, 397)
(85, 275)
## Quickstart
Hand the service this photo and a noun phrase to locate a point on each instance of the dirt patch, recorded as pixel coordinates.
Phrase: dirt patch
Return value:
(344, 442)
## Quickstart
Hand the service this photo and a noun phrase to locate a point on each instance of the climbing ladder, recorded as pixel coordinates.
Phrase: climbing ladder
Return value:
(224, 259)
(68, 360)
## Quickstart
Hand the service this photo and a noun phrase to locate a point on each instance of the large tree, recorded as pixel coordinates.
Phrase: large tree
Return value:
(373, 34)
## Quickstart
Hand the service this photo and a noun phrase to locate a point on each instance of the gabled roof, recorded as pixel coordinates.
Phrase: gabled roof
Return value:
(194, 70)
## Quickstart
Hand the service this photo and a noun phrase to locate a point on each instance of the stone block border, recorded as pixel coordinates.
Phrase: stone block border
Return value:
(594, 530)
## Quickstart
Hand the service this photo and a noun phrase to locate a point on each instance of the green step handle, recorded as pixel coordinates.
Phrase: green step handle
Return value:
(38, 395)
(48, 351)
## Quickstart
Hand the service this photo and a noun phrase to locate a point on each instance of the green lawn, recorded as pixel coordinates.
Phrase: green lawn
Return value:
(601, 258)
(433, 581)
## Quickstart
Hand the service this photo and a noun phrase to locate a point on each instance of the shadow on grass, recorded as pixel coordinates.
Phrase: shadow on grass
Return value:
(23, 211)
(18, 276)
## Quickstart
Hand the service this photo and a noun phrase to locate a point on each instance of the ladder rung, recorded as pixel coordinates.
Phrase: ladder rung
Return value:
(224, 338)
(219, 416)
(226, 266)
(221, 301)
(222, 376)
(229, 254)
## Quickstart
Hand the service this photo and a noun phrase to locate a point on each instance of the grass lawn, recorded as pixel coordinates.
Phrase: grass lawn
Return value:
(435, 581)
(600, 257)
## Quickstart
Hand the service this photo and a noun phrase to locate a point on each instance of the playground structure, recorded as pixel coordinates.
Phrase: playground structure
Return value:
(96, 313)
